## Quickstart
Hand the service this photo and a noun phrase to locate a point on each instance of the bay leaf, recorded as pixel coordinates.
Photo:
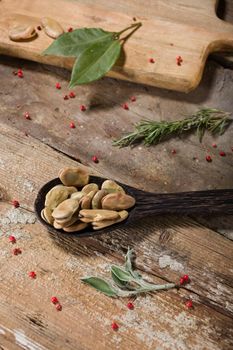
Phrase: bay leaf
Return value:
(74, 43)
(101, 285)
(95, 62)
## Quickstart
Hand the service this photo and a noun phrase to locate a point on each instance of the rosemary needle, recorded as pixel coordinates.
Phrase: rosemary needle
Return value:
(152, 132)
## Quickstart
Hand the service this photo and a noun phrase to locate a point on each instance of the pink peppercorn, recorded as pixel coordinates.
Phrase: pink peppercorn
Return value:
(27, 116)
(133, 99)
(95, 159)
(15, 203)
(179, 60)
(182, 281)
(214, 145)
(222, 154)
(125, 106)
(58, 307)
(72, 94)
(186, 278)
(16, 251)
(173, 151)
(83, 108)
(32, 274)
(20, 73)
(115, 326)
(189, 304)
(130, 306)
(152, 60)
(208, 159)
(58, 86)
(54, 300)
(66, 97)
(72, 125)
(70, 29)
(12, 239)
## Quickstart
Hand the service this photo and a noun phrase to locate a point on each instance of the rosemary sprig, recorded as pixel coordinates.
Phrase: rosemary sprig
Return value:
(152, 132)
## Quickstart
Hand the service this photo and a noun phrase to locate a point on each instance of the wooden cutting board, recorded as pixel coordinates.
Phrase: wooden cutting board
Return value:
(171, 28)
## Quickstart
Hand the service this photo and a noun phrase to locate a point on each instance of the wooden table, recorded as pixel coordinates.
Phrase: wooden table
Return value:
(33, 151)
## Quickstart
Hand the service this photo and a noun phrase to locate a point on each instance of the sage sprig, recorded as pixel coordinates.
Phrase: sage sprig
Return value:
(153, 132)
(125, 281)
(96, 50)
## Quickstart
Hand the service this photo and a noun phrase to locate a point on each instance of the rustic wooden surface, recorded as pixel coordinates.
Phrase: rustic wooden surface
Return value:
(170, 28)
(166, 247)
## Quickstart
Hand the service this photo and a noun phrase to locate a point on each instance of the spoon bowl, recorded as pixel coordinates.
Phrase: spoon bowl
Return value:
(212, 202)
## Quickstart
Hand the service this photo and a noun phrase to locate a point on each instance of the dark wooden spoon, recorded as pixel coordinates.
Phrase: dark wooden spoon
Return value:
(213, 202)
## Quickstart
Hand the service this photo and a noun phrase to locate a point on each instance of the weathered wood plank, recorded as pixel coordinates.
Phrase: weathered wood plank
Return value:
(165, 248)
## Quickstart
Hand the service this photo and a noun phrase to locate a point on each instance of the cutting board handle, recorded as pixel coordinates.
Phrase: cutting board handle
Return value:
(224, 38)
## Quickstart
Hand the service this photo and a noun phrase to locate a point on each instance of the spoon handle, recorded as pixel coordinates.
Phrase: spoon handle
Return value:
(185, 203)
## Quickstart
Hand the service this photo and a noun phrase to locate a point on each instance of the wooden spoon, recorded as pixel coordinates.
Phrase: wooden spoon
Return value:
(213, 202)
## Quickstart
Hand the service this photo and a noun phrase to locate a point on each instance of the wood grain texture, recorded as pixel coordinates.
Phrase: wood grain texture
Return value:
(163, 247)
(170, 28)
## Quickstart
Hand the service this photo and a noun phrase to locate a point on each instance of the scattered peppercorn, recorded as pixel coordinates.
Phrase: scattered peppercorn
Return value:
(189, 304)
(130, 306)
(182, 281)
(70, 29)
(58, 86)
(72, 94)
(208, 159)
(16, 251)
(222, 154)
(214, 145)
(95, 159)
(179, 60)
(133, 99)
(72, 125)
(173, 151)
(66, 97)
(134, 19)
(186, 278)
(32, 274)
(115, 326)
(83, 108)
(54, 300)
(38, 27)
(20, 73)
(15, 203)
(27, 116)
(125, 106)
(12, 239)
(151, 60)
(58, 307)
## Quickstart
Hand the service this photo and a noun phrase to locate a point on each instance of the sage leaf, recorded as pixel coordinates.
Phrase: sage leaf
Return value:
(74, 43)
(118, 282)
(95, 61)
(101, 285)
(121, 274)
(128, 264)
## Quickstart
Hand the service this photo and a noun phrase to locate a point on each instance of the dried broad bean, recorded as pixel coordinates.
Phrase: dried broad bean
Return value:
(74, 176)
(52, 28)
(22, 32)
(117, 201)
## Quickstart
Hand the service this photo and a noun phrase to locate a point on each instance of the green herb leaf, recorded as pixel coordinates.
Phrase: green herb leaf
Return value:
(74, 43)
(121, 274)
(95, 62)
(128, 264)
(153, 132)
(118, 282)
(101, 285)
